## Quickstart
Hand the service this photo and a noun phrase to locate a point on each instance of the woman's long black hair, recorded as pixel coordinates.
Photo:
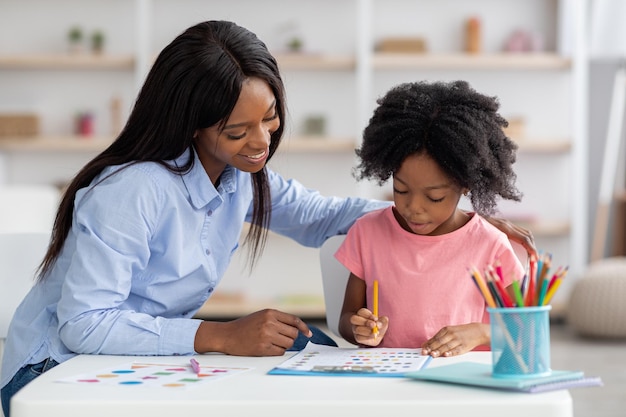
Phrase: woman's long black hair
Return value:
(194, 83)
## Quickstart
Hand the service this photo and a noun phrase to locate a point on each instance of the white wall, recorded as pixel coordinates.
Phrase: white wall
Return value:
(600, 94)
(327, 26)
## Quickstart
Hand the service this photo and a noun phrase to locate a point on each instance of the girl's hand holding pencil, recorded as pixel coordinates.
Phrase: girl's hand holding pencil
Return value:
(368, 329)
(364, 323)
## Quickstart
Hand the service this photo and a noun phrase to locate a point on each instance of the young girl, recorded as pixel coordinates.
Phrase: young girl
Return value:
(438, 141)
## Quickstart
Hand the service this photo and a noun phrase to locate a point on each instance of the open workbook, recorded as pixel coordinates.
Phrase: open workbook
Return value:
(327, 360)
(479, 374)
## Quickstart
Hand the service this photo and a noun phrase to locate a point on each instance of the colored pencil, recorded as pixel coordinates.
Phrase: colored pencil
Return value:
(530, 288)
(552, 290)
(542, 292)
(482, 286)
(518, 294)
(536, 288)
(506, 299)
(494, 293)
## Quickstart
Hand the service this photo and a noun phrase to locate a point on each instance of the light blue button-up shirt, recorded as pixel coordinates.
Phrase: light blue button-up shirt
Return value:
(146, 249)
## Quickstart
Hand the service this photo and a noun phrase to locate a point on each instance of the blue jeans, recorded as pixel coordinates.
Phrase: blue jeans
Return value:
(21, 378)
(318, 337)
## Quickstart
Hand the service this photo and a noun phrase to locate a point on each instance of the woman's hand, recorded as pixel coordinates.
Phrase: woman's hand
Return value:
(264, 333)
(368, 329)
(456, 340)
(515, 233)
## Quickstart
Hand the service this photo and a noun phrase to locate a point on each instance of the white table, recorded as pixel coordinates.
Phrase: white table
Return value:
(254, 393)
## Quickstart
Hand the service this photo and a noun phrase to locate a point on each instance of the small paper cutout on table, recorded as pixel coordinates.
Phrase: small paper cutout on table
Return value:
(154, 375)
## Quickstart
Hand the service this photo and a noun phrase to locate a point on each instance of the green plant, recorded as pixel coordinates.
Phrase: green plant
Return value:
(295, 44)
(75, 34)
(97, 41)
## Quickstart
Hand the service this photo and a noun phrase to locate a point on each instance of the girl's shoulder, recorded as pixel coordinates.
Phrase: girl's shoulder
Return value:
(374, 222)
(377, 215)
(481, 225)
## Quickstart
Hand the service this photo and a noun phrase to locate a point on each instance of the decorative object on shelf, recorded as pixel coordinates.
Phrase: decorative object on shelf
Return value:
(116, 115)
(523, 41)
(295, 44)
(402, 45)
(97, 41)
(75, 38)
(608, 41)
(473, 35)
(314, 125)
(290, 37)
(18, 124)
(84, 124)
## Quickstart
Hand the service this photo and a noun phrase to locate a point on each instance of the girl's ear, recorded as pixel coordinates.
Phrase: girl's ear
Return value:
(466, 191)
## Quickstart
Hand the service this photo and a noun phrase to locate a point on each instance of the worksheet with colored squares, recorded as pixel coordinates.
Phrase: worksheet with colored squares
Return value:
(327, 360)
(154, 375)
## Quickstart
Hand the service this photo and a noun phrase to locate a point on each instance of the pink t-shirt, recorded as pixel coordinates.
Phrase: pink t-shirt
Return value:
(424, 283)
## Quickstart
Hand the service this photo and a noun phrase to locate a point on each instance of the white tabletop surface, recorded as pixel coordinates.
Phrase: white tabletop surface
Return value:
(254, 393)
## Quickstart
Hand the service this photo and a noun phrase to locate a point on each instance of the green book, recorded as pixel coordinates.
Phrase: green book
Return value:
(479, 375)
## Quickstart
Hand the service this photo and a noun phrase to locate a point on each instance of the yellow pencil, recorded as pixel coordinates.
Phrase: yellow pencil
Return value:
(482, 286)
(375, 306)
(552, 290)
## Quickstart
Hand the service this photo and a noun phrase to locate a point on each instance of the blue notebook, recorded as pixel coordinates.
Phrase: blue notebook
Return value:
(479, 375)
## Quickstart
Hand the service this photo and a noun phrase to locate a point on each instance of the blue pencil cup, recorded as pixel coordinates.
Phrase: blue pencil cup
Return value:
(520, 341)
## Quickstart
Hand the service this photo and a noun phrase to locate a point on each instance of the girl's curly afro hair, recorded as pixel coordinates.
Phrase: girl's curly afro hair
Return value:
(452, 123)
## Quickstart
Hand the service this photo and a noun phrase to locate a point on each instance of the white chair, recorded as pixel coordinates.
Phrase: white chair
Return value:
(20, 255)
(28, 208)
(334, 280)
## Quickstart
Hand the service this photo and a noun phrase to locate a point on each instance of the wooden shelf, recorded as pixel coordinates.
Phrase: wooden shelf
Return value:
(293, 144)
(545, 228)
(55, 143)
(536, 146)
(230, 307)
(97, 144)
(84, 61)
(317, 144)
(503, 61)
(389, 60)
(304, 61)
(311, 61)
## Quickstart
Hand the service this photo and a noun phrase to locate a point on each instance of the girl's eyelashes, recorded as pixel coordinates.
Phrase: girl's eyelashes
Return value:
(434, 200)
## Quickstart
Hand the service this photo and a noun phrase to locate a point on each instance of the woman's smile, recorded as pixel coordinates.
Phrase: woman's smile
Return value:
(260, 157)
